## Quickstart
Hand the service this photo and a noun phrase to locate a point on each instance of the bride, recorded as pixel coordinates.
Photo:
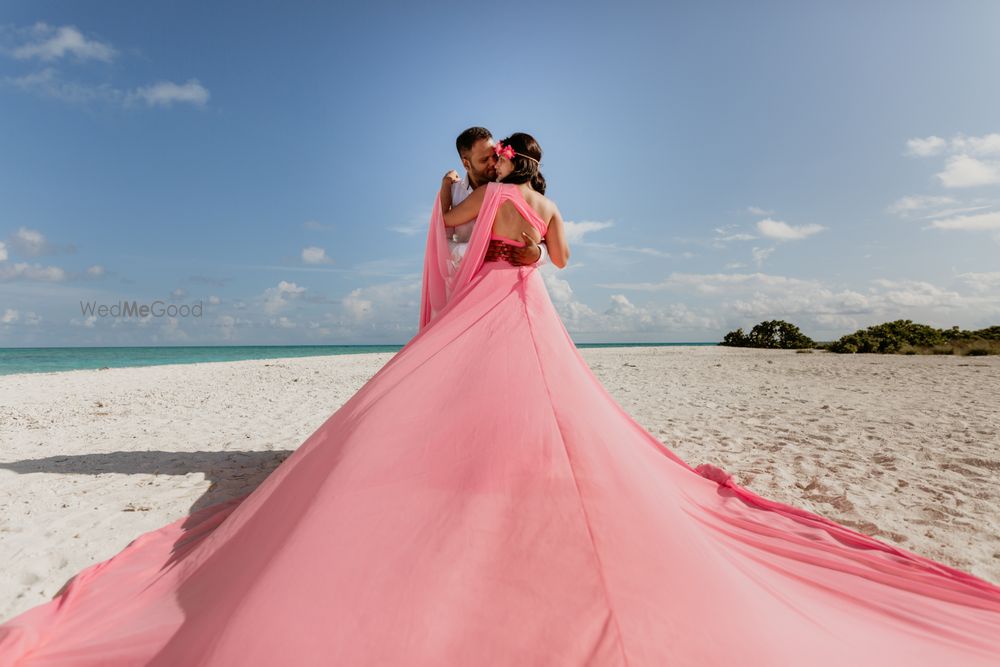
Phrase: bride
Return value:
(482, 500)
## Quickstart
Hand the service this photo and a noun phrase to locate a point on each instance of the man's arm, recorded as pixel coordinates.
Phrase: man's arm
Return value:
(531, 253)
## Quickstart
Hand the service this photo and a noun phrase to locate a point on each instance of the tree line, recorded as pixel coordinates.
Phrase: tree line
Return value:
(897, 337)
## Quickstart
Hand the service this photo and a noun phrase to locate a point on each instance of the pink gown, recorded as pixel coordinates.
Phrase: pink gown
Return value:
(482, 500)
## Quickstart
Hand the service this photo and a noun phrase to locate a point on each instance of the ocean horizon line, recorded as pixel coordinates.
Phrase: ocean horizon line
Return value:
(54, 359)
(400, 345)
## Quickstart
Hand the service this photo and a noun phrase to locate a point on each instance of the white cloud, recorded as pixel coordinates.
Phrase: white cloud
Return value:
(955, 211)
(166, 93)
(49, 43)
(744, 299)
(356, 306)
(30, 242)
(575, 231)
(909, 293)
(815, 306)
(229, 324)
(727, 233)
(964, 171)
(417, 224)
(49, 83)
(978, 222)
(315, 255)
(386, 311)
(988, 144)
(622, 316)
(96, 271)
(981, 281)
(393, 304)
(214, 300)
(171, 331)
(715, 283)
(810, 301)
(756, 210)
(614, 247)
(10, 315)
(927, 146)
(910, 204)
(88, 323)
(32, 272)
(3, 251)
(760, 254)
(740, 236)
(277, 298)
(777, 229)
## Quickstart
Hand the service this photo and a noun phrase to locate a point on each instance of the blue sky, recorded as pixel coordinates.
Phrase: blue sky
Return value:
(835, 165)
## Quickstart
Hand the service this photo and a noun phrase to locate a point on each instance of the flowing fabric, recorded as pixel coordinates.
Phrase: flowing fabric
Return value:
(438, 276)
(441, 282)
(537, 525)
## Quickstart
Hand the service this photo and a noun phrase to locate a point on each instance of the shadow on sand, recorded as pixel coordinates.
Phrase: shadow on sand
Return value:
(231, 474)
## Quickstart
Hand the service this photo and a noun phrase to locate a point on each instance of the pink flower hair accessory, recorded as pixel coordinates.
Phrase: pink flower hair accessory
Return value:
(509, 152)
(504, 151)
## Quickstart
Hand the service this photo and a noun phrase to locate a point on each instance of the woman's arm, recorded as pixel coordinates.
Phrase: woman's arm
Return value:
(449, 179)
(467, 210)
(555, 240)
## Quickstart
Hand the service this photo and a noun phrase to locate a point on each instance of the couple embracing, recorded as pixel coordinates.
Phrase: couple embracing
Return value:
(504, 176)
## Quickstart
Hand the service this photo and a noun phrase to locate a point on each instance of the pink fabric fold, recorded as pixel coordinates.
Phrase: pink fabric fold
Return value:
(436, 280)
(438, 285)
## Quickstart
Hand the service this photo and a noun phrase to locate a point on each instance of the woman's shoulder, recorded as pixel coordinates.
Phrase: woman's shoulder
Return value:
(533, 195)
(541, 203)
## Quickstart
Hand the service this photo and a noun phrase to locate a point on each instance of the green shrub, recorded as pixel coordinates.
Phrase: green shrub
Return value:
(906, 337)
(771, 334)
(989, 333)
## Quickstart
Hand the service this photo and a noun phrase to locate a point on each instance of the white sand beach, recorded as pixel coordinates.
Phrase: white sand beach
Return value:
(905, 448)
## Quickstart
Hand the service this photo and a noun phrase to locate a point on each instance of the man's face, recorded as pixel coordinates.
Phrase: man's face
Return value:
(481, 162)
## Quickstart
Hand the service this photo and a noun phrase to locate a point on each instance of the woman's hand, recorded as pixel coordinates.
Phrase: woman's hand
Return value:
(446, 183)
(450, 178)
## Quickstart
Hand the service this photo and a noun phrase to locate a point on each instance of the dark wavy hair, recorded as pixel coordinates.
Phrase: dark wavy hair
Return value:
(525, 169)
(465, 140)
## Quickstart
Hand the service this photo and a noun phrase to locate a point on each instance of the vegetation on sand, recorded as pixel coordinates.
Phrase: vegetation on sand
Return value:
(896, 337)
(772, 334)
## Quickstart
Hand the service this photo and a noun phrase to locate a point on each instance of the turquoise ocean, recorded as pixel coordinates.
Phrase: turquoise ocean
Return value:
(53, 359)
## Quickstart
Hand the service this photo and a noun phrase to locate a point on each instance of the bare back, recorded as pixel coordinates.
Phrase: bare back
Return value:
(510, 224)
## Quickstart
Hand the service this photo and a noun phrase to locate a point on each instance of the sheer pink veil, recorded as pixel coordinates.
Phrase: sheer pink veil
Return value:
(439, 286)
(434, 294)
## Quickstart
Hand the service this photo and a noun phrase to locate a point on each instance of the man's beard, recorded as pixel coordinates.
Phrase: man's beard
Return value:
(485, 177)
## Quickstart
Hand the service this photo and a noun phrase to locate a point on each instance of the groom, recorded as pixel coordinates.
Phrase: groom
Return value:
(475, 148)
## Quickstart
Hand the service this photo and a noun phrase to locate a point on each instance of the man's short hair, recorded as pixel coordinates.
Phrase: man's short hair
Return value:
(469, 137)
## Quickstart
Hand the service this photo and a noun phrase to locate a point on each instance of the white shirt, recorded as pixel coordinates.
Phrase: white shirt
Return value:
(458, 240)
(459, 191)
